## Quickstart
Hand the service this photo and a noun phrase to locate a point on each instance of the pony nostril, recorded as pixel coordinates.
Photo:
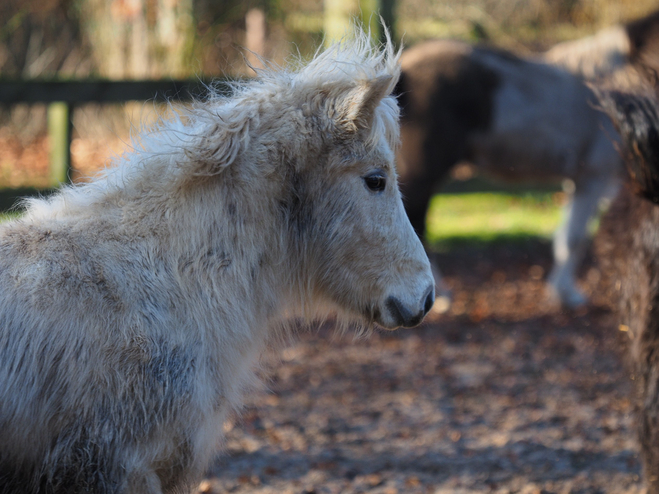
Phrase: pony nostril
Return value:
(397, 311)
(430, 300)
(403, 316)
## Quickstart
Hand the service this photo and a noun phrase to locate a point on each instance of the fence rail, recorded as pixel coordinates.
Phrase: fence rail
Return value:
(103, 91)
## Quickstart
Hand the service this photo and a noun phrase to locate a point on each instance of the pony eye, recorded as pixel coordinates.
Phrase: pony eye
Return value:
(376, 181)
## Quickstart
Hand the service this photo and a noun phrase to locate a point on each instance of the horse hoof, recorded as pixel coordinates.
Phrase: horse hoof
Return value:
(568, 299)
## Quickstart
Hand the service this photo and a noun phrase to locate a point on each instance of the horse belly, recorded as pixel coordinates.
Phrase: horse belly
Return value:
(524, 156)
(541, 125)
(529, 142)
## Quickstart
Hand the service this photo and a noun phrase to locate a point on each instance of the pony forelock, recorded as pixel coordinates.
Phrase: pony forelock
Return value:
(332, 71)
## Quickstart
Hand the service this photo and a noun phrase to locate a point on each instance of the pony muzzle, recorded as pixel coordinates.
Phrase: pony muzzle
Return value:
(399, 313)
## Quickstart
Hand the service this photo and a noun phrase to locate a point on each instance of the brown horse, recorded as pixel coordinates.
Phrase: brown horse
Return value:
(516, 119)
(524, 120)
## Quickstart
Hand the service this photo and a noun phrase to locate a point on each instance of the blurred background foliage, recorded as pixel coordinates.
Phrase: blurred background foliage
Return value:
(121, 39)
(152, 39)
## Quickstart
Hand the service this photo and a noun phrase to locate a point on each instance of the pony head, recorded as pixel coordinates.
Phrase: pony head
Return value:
(344, 209)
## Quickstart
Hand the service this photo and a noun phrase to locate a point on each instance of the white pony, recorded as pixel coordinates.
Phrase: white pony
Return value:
(133, 308)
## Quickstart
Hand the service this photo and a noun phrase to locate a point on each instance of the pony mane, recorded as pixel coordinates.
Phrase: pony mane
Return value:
(207, 136)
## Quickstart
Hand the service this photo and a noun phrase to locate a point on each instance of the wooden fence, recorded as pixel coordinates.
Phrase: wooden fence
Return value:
(62, 96)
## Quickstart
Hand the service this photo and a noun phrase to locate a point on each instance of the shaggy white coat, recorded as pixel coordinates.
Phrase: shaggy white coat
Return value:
(133, 308)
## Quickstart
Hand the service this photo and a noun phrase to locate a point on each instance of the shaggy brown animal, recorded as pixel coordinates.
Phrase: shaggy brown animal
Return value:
(628, 246)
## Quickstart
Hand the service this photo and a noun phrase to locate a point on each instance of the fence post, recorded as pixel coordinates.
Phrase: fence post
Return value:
(59, 137)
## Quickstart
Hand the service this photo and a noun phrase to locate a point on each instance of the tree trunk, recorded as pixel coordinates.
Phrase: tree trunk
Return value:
(133, 39)
(340, 16)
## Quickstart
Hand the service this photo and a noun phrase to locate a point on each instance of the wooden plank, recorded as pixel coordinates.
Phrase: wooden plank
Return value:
(59, 140)
(62, 95)
(75, 92)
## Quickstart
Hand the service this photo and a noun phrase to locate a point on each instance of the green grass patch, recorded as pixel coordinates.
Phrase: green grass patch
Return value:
(6, 216)
(487, 217)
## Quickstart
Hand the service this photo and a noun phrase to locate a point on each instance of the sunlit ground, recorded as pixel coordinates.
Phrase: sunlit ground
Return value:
(491, 216)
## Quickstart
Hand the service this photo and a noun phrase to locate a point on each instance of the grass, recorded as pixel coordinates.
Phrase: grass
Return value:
(6, 216)
(486, 217)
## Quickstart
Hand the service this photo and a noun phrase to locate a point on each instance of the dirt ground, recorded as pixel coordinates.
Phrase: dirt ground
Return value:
(504, 393)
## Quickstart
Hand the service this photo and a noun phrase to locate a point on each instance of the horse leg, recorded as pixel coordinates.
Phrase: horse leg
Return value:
(571, 241)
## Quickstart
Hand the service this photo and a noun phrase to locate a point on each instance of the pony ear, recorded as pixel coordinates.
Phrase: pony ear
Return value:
(356, 109)
(636, 117)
